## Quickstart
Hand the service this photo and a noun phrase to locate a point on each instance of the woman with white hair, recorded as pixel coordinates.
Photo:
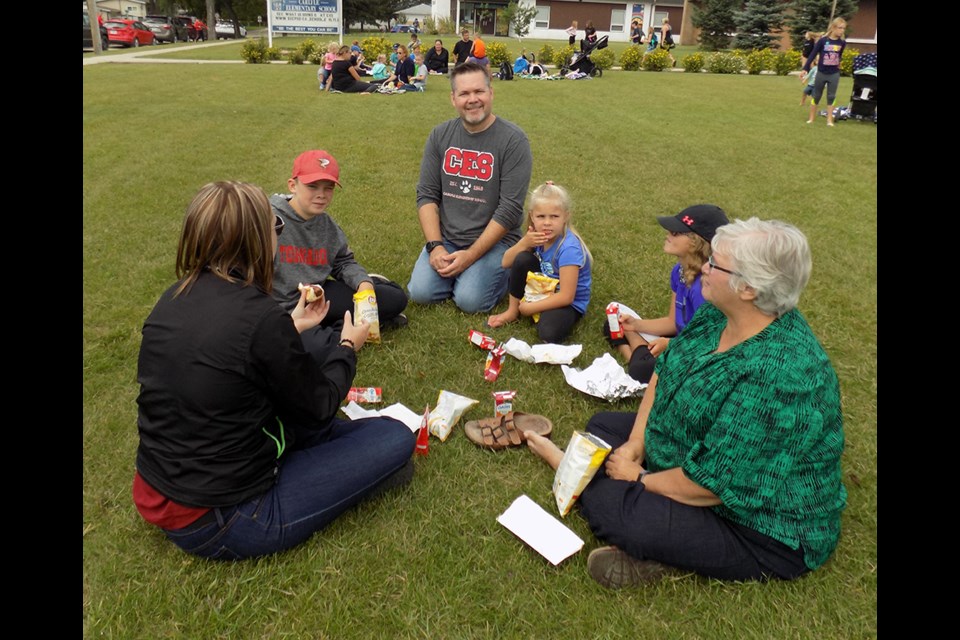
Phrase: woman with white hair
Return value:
(731, 466)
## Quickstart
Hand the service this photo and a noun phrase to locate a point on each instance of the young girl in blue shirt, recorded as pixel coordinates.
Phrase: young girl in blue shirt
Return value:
(688, 239)
(554, 248)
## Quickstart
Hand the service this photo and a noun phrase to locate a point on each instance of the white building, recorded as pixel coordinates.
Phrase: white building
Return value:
(610, 18)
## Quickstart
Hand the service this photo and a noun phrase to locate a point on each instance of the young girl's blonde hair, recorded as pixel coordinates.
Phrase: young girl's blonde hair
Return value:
(692, 263)
(550, 192)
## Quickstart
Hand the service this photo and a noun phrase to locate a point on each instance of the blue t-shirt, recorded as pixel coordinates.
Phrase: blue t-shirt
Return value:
(689, 298)
(521, 65)
(564, 253)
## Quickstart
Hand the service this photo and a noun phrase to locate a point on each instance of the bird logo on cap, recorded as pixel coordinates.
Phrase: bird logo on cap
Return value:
(323, 162)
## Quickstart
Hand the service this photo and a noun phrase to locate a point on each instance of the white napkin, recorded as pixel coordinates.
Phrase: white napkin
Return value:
(397, 411)
(542, 353)
(548, 536)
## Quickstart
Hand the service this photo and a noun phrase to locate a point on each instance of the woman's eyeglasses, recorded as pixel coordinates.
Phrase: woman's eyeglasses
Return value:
(278, 225)
(714, 265)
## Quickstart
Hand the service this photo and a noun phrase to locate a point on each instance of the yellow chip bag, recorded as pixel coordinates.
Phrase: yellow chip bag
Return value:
(365, 308)
(537, 288)
(584, 455)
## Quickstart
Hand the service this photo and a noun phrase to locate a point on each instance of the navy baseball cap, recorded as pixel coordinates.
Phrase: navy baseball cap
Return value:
(701, 219)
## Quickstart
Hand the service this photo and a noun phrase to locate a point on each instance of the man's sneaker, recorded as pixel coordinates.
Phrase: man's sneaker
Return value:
(376, 277)
(614, 569)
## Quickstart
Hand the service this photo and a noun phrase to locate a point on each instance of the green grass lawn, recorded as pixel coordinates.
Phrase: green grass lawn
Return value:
(430, 561)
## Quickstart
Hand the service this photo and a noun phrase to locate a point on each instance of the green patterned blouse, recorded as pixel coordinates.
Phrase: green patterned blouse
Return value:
(758, 425)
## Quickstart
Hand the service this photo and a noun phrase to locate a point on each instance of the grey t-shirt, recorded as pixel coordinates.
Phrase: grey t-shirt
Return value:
(310, 251)
(476, 177)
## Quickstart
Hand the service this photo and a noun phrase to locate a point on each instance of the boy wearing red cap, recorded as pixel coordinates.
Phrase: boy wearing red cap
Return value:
(314, 250)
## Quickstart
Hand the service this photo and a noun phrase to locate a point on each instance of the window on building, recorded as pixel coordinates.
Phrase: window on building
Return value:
(658, 17)
(542, 21)
(616, 20)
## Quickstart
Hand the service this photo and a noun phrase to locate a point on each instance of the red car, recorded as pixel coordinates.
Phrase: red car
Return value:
(129, 33)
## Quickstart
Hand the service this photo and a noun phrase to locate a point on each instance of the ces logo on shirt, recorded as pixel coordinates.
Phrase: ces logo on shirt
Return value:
(465, 163)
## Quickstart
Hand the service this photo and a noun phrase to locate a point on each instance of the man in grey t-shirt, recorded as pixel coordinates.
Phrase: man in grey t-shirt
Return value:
(473, 180)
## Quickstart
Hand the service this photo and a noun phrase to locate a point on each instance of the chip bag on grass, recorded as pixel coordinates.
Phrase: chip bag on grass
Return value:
(444, 416)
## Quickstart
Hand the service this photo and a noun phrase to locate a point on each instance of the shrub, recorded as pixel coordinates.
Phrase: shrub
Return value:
(546, 54)
(787, 61)
(317, 56)
(759, 60)
(656, 61)
(257, 52)
(430, 26)
(846, 61)
(306, 49)
(722, 62)
(446, 25)
(563, 56)
(693, 63)
(603, 58)
(375, 45)
(631, 57)
(295, 57)
(497, 52)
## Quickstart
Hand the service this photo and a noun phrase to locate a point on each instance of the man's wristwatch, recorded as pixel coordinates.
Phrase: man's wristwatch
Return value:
(433, 244)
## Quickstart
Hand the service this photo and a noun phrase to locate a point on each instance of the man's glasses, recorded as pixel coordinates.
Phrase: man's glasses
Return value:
(714, 265)
(278, 225)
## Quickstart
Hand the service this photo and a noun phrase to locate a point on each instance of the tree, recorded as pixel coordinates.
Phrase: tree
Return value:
(756, 24)
(814, 15)
(715, 19)
(519, 18)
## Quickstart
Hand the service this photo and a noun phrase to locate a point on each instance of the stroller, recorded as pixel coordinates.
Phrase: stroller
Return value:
(863, 102)
(580, 61)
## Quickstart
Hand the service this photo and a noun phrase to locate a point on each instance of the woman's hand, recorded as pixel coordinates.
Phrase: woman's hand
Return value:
(306, 316)
(622, 466)
(357, 335)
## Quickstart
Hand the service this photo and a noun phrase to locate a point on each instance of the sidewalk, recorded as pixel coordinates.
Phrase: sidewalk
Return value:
(140, 54)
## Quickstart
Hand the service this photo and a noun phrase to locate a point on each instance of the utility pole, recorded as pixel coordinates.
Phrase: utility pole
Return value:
(95, 27)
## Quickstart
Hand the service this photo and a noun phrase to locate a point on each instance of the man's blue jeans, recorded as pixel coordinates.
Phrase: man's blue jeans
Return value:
(317, 481)
(479, 288)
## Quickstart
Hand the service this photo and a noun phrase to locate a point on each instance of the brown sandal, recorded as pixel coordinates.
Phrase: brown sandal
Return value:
(506, 431)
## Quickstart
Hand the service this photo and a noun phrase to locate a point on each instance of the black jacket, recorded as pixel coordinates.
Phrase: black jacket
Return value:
(221, 370)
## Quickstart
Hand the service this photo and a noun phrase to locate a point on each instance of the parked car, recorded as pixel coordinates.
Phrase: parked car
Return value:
(129, 33)
(401, 28)
(165, 29)
(187, 22)
(88, 34)
(224, 29)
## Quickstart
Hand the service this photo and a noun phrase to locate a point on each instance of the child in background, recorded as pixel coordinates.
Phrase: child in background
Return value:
(328, 59)
(380, 72)
(809, 41)
(688, 239)
(554, 248)
(420, 79)
(394, 57)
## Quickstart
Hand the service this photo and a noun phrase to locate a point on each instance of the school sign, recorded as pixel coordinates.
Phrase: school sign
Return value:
(304, 16)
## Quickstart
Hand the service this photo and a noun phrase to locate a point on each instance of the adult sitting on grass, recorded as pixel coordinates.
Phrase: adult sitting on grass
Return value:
(437, 58)
(240, 454)
(474, 175)
(345, 77)
(731, 466)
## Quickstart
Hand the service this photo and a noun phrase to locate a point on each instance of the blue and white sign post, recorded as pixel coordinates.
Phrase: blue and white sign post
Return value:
(304, 16)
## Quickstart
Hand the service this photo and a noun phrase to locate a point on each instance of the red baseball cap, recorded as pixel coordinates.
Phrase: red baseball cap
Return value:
(311, 166)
